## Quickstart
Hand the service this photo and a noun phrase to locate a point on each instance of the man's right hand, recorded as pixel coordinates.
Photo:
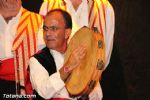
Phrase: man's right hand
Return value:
(74, 61)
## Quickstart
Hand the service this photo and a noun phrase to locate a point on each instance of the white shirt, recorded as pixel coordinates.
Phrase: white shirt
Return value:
(79, 20)
(7, 36)
(48, 86)
(53, 86)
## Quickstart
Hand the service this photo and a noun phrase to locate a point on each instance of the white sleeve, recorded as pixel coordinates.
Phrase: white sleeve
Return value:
(96, 94)
(46, 86)
(109, 36)
(43, 9)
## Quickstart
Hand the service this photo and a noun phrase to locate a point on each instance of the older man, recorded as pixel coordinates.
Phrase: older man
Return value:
(48, 72)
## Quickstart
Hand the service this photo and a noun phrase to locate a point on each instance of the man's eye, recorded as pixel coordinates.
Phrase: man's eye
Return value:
(53, 28)
(45, 28)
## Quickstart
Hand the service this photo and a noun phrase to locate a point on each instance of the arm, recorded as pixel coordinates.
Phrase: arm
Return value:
(109, 36)
(32, 5)
(45, 85)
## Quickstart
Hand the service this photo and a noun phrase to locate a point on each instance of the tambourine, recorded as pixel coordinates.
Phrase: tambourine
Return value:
(84, 77)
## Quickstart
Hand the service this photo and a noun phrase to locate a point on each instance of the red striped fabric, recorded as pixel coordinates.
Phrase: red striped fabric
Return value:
(25, 44)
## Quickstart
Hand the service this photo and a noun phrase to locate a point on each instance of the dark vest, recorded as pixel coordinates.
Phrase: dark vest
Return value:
(47, 61)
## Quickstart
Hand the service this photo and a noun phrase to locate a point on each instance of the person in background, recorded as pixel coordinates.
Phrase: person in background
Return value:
(96, 14)
(18, 41)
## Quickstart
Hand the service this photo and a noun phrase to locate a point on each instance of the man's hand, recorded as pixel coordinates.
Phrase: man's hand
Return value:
(74, 60)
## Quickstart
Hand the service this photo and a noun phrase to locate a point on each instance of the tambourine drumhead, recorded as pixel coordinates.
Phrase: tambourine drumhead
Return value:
(78, 82)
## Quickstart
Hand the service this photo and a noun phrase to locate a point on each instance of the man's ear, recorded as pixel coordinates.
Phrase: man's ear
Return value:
(67, 33)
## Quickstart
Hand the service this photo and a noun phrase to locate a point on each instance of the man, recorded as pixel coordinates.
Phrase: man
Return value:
(18, 36)
(96, 14)
(48, 72)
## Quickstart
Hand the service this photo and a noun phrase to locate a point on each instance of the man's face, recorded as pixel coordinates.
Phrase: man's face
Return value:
(55, 33)
(10, 5)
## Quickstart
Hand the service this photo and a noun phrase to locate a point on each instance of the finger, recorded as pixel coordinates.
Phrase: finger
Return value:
(83, 54)
(83, 49)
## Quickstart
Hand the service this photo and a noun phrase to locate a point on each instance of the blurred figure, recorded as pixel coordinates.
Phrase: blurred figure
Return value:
(19, 41)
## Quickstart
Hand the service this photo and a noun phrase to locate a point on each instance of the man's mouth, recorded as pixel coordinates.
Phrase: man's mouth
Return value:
(50, 40)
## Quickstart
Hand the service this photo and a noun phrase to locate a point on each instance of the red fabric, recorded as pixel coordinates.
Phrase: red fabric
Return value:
(28, 86)
(7, 70)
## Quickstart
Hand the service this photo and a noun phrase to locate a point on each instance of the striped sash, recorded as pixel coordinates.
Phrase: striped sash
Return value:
(25, 45)
(97, 15)
(56, 4)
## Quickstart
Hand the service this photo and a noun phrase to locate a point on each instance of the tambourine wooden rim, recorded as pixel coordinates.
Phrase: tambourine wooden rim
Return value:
(83, 78)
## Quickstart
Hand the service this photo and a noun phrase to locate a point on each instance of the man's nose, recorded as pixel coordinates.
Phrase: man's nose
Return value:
(48, 33)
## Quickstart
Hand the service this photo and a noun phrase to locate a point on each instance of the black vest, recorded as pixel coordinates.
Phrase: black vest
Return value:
(47, 61)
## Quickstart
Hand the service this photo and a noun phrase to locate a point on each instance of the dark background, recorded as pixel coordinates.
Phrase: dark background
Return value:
(128, 75)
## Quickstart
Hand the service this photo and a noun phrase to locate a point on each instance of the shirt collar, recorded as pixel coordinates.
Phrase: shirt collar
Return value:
(58, 58)
(54, 52)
